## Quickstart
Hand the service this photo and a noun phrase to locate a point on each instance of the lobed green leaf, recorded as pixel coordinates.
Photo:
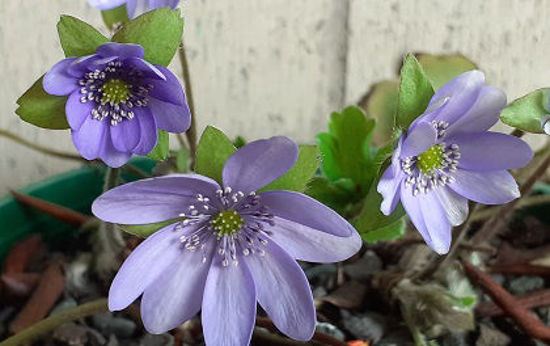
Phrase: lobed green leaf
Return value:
(381, 104)
(77, 37)
(440, 69)
(213, 150)
(162, 150)
(114, 17)
(526, 112)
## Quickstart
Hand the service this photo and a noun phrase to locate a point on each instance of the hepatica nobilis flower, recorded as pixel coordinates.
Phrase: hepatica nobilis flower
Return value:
(448, 157)
(117, 101)
(234, 247)
(134, 7)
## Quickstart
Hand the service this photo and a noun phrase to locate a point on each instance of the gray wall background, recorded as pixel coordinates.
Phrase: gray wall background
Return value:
(265, 67)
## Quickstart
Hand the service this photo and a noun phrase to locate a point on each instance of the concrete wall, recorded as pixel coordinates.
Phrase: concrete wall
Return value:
(265, 67)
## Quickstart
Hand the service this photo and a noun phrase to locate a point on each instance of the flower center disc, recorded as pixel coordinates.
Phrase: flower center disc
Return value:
(431, 159)
(115, 91)
(227, 222)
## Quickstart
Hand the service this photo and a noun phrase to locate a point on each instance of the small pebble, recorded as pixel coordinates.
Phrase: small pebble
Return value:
(329, 329)
(71, 334)
(108, 324)
(319, 292)
(157, 340)
(362, 269)
(490, 336)
(368, 326)
(525, 284)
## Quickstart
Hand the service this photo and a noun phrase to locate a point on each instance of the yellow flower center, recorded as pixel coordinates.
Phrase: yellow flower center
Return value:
(115, 91)
(227, 222)
(431, 159)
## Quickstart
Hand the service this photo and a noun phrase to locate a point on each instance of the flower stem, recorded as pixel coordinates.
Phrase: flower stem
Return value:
(192, 132)
(39, 148)
(33, 332)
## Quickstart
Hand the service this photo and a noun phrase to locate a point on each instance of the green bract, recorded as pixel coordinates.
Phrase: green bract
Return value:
(440, 69)
(162, 149)
(114, 17)
(213, 150)
(526, 112)
(78, 38)
(381, 104)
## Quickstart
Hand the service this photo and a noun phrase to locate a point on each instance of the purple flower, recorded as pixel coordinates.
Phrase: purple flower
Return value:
(117, 101)
(134, 7)
(448, 157)
(235, 247)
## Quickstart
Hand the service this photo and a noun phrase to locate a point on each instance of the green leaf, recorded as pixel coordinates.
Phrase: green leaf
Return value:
(346, 150)
(143, 231)
(182, 161)
(41, 109)
(115, 17)
(158, 31)
(213, 150)
(337, 195)
(375, 226)
(440, 69)
(415, 92)
(297, 177)
(526, 112)
(239, 142)
(162, 150)
(78, 38)
(381, 104)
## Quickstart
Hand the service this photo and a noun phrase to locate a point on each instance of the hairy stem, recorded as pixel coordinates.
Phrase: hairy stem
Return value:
(45, 326)
(41, 149)
(192, 132)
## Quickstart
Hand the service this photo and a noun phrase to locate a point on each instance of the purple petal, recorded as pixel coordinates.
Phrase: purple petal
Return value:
(76, 111)
(149, 70)
(121, 50)
(110, 155)
(228, 305)
(162, 248)
(312, 245)
(259, 163)
(82, 65)
(489, 187)
(169, 90)
(89, 138)
(175, 296)
(388, 187)
(148, 131)
(305, 210)
(58, 81)
(152, 200)
(483, 114)
(283, 292)
(454, 205)
(491, 151)
(170, 117)
(106, 4)
(126, 135)
(432, 224)
(419, 139)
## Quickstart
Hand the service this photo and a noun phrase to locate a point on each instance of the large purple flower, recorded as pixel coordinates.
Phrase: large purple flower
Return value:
(117, 100)
(134, 7)
(448, 157)
(235, 247)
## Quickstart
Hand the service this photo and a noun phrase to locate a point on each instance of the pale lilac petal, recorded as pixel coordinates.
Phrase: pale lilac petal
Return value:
(121, 50)
(148, 70)
(170, 117)
(388, 187)
(420, 139)
(110, 155)
(228, 305)
(89, 138)
(126, 135)
(148, 131)
(491, 151)
(305, 210)
(77, 112)
(435, 238)
(454, 205)
(176, 294)
(168, 90)
(437, 224)
(259, 163)
(283, 292)
(312, 245)
(58, 81)
(152, 200)
(483, 114)
(162, 249)
(106, 4)
(489, 187)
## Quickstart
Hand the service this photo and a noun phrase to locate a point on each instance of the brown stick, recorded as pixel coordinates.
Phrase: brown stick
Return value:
(320, 337)
(528, 301)
(59, 212)
(521, 269)
(523, 317)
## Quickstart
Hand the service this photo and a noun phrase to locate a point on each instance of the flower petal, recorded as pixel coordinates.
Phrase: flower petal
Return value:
(147, 69)
(388, 187)
(419, 139)
(152, 200)
(58, 81)
(491, 151)
(168, 90)
(170, 117)
(259, 163)
(488, 187)
(121, 50)
(312, 245)
(77, 112)
(434, 227)
(110, 155)
(228, 305)
(283, 292)
(176, 294)
(148, 131)
(126, 135)
(454, 205)
(89, 138)
(161, 249)
(305, 210)
(106, 4)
